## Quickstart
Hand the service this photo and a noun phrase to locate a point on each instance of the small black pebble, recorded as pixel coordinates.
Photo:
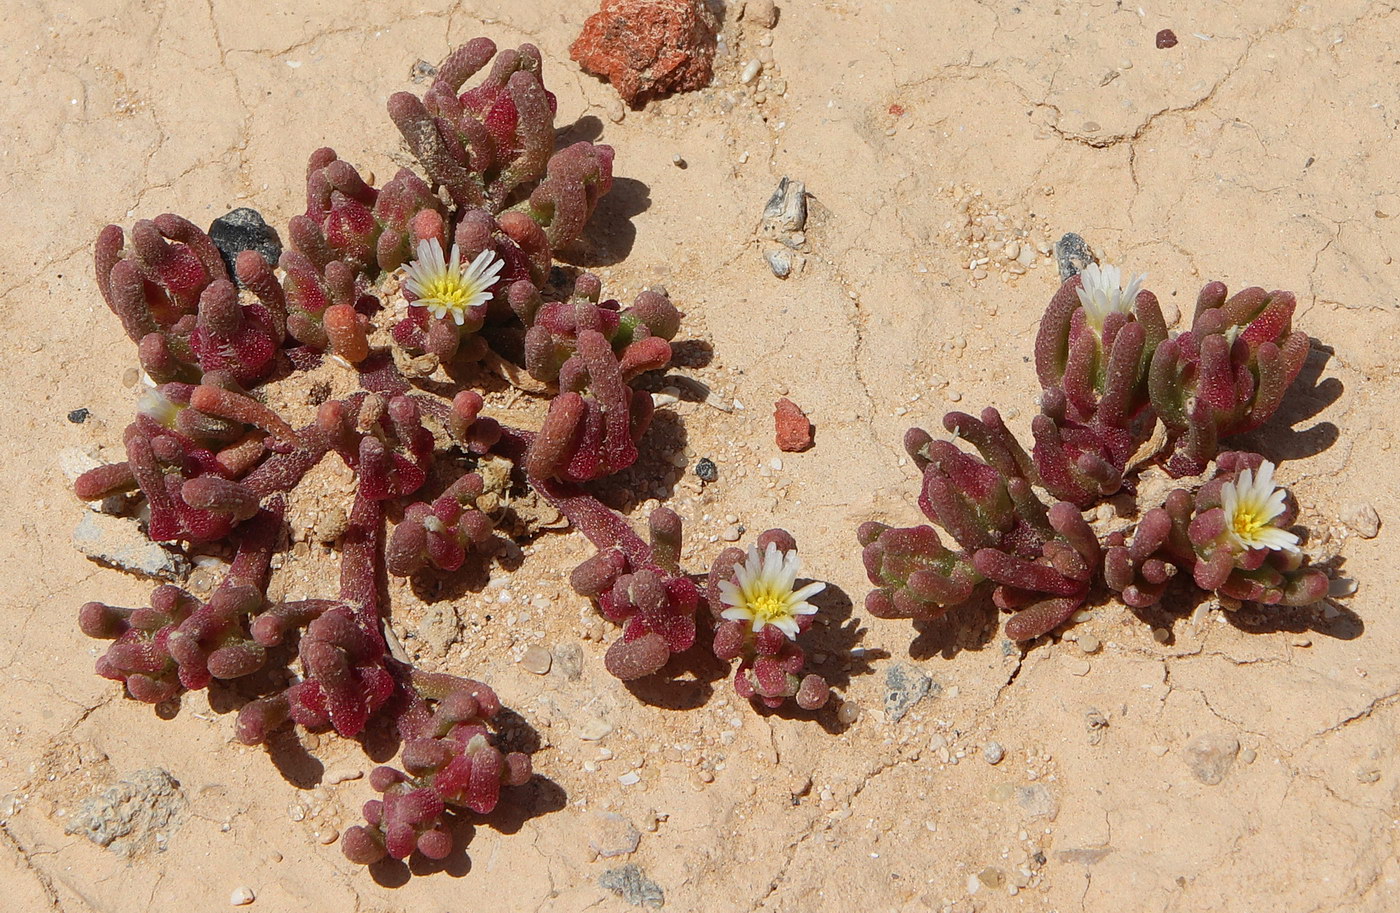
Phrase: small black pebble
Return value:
(1166, 38)
(244, 229)
(78, 416)
(706, 470)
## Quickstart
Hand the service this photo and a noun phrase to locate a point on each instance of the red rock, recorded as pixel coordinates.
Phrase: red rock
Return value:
(794, 431)
(649, 48)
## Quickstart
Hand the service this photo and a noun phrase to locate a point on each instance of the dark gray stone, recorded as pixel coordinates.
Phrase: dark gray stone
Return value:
(905, 688)
(786, 210)
(1072, 255)
(632, 885)
(244, 229)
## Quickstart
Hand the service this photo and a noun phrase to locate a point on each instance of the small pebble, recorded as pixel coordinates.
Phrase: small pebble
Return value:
(849, 712)
(751, 71)
(613, 835)
(130, 376)
(1248, 755)
(706, 470)
(993, 753)
(1161, 635)
(1342, 586)
(1211, 755)
(1088, 643)
(568, 661)
(326, 835)
(762, 13)
(1072, 255)
(241, 896)
(343, 775)
(537, 659)
(730, 534)
(78, 416)
(1078, 667)
(630, 778)
(678, 161)
(992, 877)
(1361, 517)
(591, 730)
(1166, 38)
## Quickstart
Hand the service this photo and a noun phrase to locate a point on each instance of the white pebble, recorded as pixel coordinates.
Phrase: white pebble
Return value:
(751, 71)
(536, 659)
(241, 896)
(630, 778)
(993, 752)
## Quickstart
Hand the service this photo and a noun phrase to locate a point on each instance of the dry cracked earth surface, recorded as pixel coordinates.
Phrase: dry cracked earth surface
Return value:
(1175, 761)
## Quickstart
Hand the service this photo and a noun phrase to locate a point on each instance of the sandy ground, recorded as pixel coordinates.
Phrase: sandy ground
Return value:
(1260, 150)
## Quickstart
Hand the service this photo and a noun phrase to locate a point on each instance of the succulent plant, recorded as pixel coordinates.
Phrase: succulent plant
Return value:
(216, 463)
(1109, 371)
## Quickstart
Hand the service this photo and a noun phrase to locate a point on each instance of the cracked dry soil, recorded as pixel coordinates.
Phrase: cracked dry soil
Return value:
(1259, 150)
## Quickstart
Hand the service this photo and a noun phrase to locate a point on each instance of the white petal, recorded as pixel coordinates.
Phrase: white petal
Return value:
(424, 252)
(736, 615)
(458, 316)
(809, 590)
(803, 608)
(729, 593)
(791, 565)
(1265, 477)
(787, 625)
(772, 563)
(1229, 502)
(1134, 288)
(1275, 538)
(758, 624)
(485, 268)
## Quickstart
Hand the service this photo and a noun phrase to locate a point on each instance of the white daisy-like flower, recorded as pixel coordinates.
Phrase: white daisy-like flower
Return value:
(1101, 295)
(1251, 503)
(444, 287)
(763, 591)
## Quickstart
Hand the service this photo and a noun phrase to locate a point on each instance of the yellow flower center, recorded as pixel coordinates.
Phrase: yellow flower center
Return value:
(767, 607)
(450, 291)
(1247, 524)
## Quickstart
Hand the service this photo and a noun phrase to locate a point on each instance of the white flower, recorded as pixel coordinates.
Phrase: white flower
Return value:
(1251, 503)
(763, 591)
(1100, 293)
(444, 287)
